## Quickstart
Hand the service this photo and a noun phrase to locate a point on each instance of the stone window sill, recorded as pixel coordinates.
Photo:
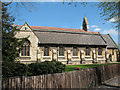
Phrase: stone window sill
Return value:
(44, 60)
(88, 56)
(46, 56)
(88, 59)
(61, 56)
(74, 56)
(100, 56)
(25, 56)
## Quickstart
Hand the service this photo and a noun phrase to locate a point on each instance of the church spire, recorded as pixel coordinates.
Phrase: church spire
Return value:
(85, 24)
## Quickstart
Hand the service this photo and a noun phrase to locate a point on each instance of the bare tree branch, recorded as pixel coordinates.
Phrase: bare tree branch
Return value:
(6, 4)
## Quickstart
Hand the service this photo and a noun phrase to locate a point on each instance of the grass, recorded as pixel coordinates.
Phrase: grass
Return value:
(73, 67)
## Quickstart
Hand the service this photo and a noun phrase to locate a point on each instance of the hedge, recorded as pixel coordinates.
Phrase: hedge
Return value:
(10, 69)
(46, 67)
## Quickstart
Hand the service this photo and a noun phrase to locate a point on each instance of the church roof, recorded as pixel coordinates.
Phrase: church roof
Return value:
(54, 35)
(110, 41)
(69, 38)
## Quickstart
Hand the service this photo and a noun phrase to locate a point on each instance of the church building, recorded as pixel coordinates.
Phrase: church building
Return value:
(67, 45)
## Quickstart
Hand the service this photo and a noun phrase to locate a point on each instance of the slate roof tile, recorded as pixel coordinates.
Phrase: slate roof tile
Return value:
(69, 38)
(110, 42)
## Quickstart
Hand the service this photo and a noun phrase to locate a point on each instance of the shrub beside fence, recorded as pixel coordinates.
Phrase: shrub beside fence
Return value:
(83, 78)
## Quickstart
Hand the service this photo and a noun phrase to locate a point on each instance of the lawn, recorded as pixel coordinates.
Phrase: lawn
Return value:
(73, 67)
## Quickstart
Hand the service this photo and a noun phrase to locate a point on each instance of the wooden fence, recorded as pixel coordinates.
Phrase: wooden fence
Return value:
(83, 78)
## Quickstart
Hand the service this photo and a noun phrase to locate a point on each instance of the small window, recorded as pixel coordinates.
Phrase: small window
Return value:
(75, 52)
(26, 49)
(25, 28)
(61, 51)
(99, 51)
(87, 53)
(46, 51)
(112, 51)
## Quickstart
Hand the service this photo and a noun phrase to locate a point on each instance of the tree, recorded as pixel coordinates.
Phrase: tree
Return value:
(11, 46)
(75, 2)
(110, 11)
(16, 8)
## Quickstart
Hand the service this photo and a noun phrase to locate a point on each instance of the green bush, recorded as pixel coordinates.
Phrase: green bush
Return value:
(10, 69)
(40, 68)
(59, 66)
(46, 67)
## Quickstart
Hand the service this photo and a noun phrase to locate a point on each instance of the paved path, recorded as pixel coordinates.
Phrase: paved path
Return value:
(112, 83)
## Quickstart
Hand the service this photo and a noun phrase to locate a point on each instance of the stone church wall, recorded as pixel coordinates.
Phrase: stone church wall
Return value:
(68, 55)
(33, 44)
(113, 57)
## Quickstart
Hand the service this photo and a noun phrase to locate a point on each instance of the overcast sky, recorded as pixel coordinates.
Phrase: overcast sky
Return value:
(57, 14)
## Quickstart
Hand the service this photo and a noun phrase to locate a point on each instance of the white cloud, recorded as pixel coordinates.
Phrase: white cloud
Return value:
(94, 26)
(112, 20)
(97, 29)
(110, 31)
(81, 27)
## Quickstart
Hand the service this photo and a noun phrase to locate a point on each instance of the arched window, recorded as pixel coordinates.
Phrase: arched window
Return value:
(99, 51)
(61, 51)
(75, 52)
(26, 48)
(46, 51)
(87, 52)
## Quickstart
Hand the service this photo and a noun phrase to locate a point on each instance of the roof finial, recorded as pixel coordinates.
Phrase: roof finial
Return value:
(25, 22)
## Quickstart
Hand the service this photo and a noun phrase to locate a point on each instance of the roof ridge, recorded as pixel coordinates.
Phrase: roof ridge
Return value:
(58, 29)
(55, 27)
(49, 26)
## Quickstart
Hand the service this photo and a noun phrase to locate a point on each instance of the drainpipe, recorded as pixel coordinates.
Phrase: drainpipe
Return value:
(52, 54)
(118, 55)
(80, 57)
(57, 53)
(96, 53)
(37, 56)
(67, 58)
